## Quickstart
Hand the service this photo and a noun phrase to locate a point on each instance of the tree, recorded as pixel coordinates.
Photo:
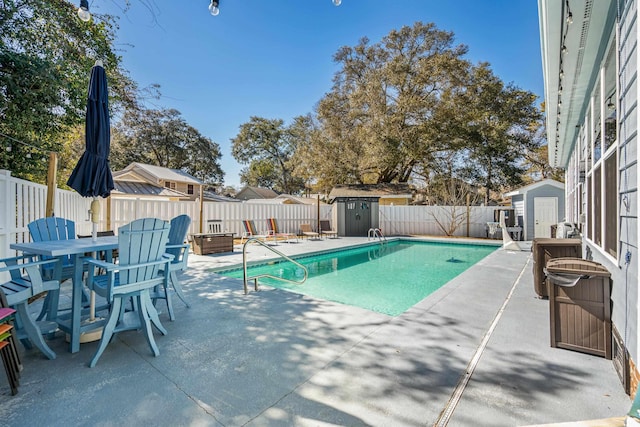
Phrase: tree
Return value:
(497, 127)
(267, 146)
(380, 110)
(46, 54)
(163, 138)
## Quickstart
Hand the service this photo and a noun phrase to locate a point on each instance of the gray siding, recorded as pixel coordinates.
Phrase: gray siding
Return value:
(625, 276)
(543, 191)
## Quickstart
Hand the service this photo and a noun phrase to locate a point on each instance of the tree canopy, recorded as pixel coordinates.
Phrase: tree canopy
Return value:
(267, 146)
(46, 54)
(164, 138)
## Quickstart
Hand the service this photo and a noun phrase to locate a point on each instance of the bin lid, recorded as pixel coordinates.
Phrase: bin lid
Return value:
(577, 266)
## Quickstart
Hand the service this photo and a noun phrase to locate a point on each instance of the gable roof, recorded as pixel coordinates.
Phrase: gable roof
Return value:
(156, 173)
(401, 190)
(526, 188)
(256, 193)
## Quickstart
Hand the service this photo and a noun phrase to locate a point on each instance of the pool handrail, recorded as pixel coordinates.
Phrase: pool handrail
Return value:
(255, 278)
(376, 232)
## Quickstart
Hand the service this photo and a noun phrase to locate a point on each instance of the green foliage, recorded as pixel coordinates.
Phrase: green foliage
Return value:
(46, 54)
(163, 138)
(268, 147)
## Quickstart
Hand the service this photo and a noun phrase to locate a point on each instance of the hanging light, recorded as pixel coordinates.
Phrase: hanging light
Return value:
(214, 8)
(569, 18)
(564, 50)
(610, 104)
(83, 11)
(337, 2)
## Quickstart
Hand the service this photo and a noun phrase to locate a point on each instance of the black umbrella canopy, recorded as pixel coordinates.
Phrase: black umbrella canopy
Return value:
(92, 177)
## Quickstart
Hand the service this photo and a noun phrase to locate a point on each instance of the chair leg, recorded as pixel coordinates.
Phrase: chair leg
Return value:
(107, 332)
(33, 331)
(147, 305)
(178, 287)
(145, 310)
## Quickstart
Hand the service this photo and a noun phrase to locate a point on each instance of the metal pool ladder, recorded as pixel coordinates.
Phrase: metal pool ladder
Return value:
(376, 232)
(255, 278)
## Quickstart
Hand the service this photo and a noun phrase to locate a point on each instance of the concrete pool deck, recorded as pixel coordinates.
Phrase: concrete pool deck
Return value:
(275, 358)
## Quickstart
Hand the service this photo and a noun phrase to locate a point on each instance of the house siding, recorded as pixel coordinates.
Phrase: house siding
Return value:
(625, 295)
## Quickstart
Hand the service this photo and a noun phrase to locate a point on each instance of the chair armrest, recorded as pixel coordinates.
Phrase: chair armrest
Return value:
(13, 265)
(108, 266)
(184, 245)
(168, 257)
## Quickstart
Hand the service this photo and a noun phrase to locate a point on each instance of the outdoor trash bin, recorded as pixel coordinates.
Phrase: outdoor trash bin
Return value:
(545, 249)
(580, 305)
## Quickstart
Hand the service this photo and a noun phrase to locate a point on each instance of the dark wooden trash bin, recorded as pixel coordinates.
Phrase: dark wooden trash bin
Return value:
(545, 249)
(580, 305)
(212, 243)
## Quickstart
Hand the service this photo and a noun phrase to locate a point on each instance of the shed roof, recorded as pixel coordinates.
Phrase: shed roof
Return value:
(371, 190)
(535, 185)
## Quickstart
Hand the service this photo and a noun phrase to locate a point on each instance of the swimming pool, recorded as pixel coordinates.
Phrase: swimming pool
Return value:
(388, 278)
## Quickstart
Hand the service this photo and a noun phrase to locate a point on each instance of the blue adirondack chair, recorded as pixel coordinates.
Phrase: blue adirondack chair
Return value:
(142, 261)
(48, 229)
(179, 250)
(26, 281)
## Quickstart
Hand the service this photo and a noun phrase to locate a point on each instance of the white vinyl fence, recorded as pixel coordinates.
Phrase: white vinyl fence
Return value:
(22, 202)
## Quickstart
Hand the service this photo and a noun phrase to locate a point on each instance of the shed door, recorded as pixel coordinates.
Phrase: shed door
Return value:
(357, 218)
(545, 214)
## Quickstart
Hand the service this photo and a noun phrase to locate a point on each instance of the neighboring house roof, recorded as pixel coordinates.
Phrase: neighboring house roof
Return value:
(214, 197)
(152, 173)
(136, 188)
(301, 200)
(371, 190)
(523, 190)
(275, 201)
(248, 193)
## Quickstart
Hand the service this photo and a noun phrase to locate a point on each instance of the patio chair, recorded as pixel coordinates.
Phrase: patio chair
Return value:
(306, 230)
(250, 230)
(25, 283)
(178, 248)
(274, 231)
(326, 230)
(142, 261)
(50, 229)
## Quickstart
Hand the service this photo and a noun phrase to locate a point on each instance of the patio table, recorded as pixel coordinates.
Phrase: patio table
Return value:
(76, 248)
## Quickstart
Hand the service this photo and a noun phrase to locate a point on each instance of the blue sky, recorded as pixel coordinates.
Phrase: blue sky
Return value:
(274, 59)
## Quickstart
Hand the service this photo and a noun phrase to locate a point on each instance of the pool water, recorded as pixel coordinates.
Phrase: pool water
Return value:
(388, 278)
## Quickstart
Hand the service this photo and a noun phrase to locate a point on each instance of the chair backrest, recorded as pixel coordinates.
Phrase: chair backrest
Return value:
(325, 225)
(52, 228)
(250, 227)
(272, 225)
(177, 236)
(306, 228)
(141, 241)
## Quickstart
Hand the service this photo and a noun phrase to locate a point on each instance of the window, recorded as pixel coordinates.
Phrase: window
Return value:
(169, 184)
(189, 188)
(611, 205)
(589, 203)
(597, 206)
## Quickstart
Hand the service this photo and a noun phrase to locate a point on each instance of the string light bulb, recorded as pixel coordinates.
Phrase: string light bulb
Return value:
(83, 11)
(337, 2)
(214, 8)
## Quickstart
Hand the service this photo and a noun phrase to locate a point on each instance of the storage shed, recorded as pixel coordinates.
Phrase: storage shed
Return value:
(357, 206)
(538, 207)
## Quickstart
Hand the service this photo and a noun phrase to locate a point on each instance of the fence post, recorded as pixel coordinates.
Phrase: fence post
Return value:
(7, 218)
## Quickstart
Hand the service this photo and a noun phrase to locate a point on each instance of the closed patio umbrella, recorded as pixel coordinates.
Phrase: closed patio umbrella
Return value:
(92, 177)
